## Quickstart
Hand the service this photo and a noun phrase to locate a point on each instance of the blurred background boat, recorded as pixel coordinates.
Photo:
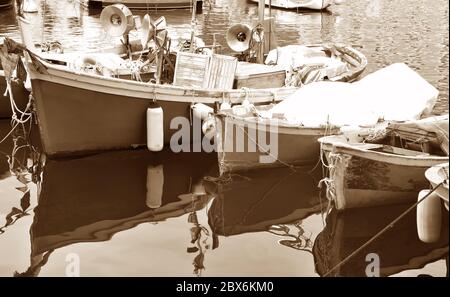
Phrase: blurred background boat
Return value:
(148, 4)
(299, 4)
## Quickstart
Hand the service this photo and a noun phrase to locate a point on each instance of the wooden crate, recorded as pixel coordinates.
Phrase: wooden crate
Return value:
(202, 71)
(191, 70)
(221, 72)
(259, 76)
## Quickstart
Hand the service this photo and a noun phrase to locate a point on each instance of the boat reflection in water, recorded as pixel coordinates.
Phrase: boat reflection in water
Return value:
(264, 200)
(398, 249)
(93, 198)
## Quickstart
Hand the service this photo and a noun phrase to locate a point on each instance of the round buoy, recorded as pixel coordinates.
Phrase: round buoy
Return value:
(429, 217)
(155, 186)
(155, 128)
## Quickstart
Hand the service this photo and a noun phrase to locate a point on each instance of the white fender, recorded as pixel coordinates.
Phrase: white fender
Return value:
(29, 6)
(155, 128)
(429, 217)
(209, 128)
(201, 111)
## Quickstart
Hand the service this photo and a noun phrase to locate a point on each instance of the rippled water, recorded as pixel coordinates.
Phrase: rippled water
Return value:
(99, 208)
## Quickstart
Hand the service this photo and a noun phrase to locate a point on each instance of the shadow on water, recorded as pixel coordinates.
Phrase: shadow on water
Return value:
(399, 249)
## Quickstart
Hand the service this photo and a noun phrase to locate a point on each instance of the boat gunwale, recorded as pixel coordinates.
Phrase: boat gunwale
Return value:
(339, 147)
(286, 128)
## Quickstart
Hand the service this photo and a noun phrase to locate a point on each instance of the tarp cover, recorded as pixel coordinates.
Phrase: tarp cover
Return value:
(395, 92)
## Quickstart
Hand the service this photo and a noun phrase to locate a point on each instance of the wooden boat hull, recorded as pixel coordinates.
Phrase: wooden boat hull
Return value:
(363, 178)
(143, 4)
(21, 97)
(81, 112)
(299, 4)
(293, 145)
(399, 249)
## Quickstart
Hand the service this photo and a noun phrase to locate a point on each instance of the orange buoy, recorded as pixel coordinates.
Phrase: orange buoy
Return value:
(429, 217)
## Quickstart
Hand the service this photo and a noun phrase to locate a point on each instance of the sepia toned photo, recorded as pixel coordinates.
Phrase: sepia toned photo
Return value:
(205, 140)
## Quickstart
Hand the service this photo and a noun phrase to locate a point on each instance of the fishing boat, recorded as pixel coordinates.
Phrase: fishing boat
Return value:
(6, 4)
(120, 191)
(398, 250)
(299, 4)
(148, 4)
(258, 200)
(385, 167)
(286, 134)
(84, 111)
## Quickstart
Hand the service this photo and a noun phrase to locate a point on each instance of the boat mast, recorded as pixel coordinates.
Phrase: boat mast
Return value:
(261, 7)
(193, 24)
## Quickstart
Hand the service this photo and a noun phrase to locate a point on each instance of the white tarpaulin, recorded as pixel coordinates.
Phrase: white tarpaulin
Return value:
(393, 93)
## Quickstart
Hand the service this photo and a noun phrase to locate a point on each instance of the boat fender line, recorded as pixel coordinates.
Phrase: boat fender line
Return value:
(382, 231)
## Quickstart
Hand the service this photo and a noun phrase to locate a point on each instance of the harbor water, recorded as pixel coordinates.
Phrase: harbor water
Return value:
(136, 213)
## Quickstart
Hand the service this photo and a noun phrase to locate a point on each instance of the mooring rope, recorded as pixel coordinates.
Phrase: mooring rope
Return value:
(381, 232)
(335, 160)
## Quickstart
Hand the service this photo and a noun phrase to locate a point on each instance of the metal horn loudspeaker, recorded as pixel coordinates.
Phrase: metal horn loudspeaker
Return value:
(117, 20)
(238, 37)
